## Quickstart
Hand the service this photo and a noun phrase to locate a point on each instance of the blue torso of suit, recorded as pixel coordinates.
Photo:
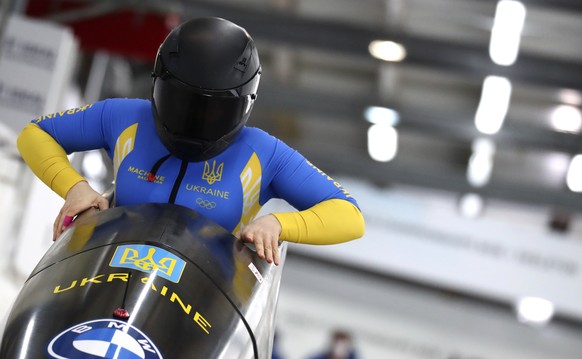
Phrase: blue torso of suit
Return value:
(229, 188)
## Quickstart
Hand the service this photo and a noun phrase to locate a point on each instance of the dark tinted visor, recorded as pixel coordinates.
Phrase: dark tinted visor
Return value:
(248, 88)
(197, 115)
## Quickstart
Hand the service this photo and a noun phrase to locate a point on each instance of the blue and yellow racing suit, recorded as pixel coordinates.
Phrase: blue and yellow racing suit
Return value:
(229, 188)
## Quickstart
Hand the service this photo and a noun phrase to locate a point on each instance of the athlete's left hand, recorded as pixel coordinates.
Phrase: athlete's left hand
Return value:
(264, 233)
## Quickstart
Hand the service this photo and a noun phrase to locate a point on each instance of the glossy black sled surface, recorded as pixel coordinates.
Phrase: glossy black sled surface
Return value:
(149, 281)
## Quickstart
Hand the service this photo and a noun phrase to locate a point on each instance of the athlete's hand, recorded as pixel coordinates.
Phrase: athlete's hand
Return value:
(79, 198)
(264, 233)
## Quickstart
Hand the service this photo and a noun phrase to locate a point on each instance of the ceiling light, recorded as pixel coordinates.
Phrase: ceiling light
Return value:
(479, 170)
(566, 118)
(493, 104)
(382, 142)
(381, 115)
(93, 166)
(535, 311)
(574, 175)
(471, 205)
(481, 162)
(387, 50)
(506, 32)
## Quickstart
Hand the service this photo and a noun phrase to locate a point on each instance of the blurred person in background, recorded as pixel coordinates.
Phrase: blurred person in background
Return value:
(340, 347)
(190, 145)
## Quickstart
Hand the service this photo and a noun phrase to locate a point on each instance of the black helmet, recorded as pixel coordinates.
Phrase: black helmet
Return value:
(205, 82)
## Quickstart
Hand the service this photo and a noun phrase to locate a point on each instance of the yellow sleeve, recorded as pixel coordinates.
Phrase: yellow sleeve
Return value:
(47, 159)
(329, 222)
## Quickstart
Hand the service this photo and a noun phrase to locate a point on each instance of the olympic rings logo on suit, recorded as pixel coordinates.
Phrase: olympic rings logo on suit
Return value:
(205, 203)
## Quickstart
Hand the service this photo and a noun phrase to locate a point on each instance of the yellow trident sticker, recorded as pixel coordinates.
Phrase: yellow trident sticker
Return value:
(213, 174)
(147, 259)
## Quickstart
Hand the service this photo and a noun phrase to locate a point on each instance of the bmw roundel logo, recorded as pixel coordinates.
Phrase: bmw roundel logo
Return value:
(103, 338)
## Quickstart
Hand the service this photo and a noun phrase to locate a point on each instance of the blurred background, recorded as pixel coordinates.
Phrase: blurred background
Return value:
(454, 123)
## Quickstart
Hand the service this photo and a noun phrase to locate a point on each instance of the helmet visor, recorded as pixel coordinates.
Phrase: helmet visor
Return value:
(188, 113)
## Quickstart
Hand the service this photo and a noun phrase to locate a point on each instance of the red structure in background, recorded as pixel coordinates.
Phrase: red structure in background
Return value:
(125, 32)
